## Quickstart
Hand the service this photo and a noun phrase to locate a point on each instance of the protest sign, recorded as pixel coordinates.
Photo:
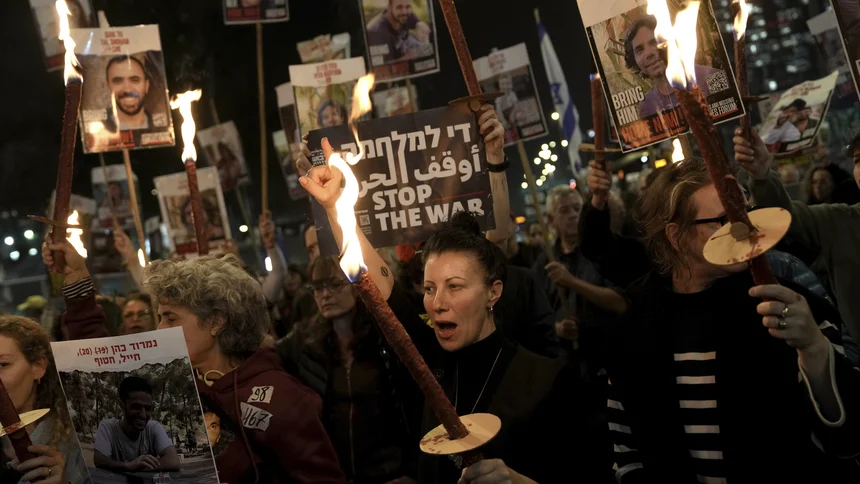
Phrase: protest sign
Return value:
(394, 101)
(175, 203)
(104, 378)
(222, 149)
(825, 30)
(401, 38)
(125, 103)
(508, 71)
(795, 119)
(323, 92)
(848, 21)
(45, 15)
(633, 70)
(417, 171)
(112, 192)
(323, 48)
(237, 12)
(287, 154)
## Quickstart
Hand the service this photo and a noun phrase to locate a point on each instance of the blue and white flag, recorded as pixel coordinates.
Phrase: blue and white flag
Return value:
(569, 116)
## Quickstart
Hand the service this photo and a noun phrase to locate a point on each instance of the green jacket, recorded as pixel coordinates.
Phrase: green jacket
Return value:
(831, 230)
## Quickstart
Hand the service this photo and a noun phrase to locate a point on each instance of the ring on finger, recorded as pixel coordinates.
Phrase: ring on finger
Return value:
(785, 312)
(781, 324)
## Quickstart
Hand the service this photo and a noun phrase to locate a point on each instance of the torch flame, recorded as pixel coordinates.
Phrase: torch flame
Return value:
(74, 235)
(140, 259)
(351, 260)
(743, 14)
(361, 105)
(182, 102)
(680, 40)
(677, 153)
(65, 35)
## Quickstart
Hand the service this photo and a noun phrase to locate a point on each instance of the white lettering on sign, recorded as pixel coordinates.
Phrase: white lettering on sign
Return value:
(255, 418)
(261, 394)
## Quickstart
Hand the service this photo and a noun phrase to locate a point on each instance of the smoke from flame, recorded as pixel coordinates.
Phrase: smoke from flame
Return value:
(74, 235)
(741, 18)
(182, 102)
(71, 61)
(677, 153)
(361, 105)
(680, 40)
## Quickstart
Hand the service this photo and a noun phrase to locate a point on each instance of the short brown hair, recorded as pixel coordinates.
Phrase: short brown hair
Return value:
(668, 199)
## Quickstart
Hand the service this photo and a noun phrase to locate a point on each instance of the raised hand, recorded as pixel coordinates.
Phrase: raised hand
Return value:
(324, 182)
(599, 182)
(494, 134)
(752, 155)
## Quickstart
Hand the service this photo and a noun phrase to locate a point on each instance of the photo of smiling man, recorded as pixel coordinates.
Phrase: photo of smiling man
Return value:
(125, 100)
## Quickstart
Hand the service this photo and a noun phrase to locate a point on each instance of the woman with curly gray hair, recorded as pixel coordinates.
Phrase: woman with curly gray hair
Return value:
(270, 428)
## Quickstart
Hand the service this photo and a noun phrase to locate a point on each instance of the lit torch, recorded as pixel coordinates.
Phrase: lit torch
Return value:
(452, 437)
(678, 151)
(74, 83)
(182, 102)
(748, 241)
(742, 13)
(74, 235)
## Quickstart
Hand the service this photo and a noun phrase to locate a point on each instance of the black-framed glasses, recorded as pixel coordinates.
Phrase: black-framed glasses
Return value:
(331, 284)
(722, 219)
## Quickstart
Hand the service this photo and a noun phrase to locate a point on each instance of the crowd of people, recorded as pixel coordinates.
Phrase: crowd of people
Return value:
(618, 356)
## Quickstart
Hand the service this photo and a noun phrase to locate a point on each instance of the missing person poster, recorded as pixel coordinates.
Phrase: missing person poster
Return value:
(222, 149)
(633, 69)
(143, 385)
(48, 22)
(113, 197)
(848, 20)
(255, 11)
(795, 119)
(125, 103)
(825, 30)
(324, 47)
(508, 71)
(417, 171)
(395, 100)
(287, 154)
(323, 92)
(401, 38)
(175, 203)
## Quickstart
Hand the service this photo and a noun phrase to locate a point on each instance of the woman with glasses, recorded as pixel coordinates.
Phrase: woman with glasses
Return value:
(713, 379)
(137, 314)
(368, 397)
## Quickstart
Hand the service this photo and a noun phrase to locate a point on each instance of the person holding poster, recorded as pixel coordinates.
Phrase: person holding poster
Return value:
(322, 92)
(401, 38)
(632, 67)
(29, 374)
(124, 106)
(508, 71)
(268, 426)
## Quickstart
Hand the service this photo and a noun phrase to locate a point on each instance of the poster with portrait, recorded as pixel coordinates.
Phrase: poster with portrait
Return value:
(324, 47)
(175, 203)
(143, 384)
(633, 69)
(222, 148)
(238, 12)
(418, 169)
(508, 71)
(287, 154)
(113, 196)
(825, 30)
(323, 92)
(848, 21)
(401, 38)
(793, 122)
(395, 101)
(47, 20)
(125, 103)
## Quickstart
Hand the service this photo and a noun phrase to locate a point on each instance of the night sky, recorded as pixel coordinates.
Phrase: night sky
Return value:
(202, 52)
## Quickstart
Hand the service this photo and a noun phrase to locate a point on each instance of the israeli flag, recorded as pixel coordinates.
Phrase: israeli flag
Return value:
(569, 116)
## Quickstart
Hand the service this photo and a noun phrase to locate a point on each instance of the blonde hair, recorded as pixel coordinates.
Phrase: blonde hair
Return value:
(667, 200)
(213, 287)
(35, 344)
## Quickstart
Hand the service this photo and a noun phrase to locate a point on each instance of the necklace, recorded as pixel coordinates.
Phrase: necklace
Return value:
(457, 383)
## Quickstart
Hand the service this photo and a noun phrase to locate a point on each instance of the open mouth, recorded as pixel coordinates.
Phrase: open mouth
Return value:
(445, 330)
